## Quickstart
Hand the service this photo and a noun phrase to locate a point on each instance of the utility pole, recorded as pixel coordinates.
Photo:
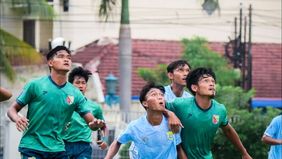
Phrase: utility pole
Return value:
(250, 50)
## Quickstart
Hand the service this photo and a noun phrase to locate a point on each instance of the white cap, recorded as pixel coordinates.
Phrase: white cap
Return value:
(59, 41)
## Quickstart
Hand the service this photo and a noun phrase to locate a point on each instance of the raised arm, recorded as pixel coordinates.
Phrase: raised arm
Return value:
(21, 121)
(113, 149)
(173, 121)
(232, 135)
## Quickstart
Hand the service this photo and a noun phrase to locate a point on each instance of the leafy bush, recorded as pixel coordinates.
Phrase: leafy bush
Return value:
(250, 126)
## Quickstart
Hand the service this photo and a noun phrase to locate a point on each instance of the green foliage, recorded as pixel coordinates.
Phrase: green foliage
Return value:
(157, 75)
(15, 50)
(234, 97)
(198, 54)
(250, 127)
(33, 8)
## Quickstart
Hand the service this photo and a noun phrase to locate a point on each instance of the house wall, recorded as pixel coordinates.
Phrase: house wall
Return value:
(167, 20)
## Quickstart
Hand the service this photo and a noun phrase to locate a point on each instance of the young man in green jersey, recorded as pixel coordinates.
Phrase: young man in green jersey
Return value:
(51, 101)
(77, 136)
(201, 116)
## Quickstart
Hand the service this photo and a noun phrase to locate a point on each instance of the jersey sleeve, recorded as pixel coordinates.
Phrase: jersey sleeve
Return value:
(224, 122)
(26, 95)
(271, 130)
(97, 112)
(170, 106)
(125, 136)
(82, 107)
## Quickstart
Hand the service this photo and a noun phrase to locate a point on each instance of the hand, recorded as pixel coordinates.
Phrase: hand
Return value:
(96, 123)
(174, 122)
(246, 156)
(103, 145)
(22, 123)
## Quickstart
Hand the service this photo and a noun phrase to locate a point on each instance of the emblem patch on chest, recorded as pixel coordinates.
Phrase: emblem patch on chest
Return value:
(70, 99)
(169, 135)
(215, 119)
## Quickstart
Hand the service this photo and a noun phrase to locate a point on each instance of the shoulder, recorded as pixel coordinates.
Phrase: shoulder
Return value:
(218, 105)
(94, 104)
(138, 122)
(186, 94)
(38, 81)
(180, 101)
(278, 119)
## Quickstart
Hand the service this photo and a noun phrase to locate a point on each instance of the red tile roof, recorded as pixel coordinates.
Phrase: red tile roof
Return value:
(149, 53)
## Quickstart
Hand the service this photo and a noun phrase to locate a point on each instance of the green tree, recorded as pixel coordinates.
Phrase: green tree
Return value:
(15, 50)
(125, 51)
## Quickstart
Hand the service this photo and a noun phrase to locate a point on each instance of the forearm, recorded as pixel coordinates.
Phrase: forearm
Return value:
(271, 141)
(180, 153)
(232, 135)
(13, 113)
(92, 122)
(113, 149)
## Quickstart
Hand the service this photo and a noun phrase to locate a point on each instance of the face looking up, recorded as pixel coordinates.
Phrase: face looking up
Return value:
(155, 100)
(61, 61)
(205, 86)
(178, 76)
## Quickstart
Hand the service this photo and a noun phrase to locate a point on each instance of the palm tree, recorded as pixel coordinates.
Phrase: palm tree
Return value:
(11, 48)
(125, 52)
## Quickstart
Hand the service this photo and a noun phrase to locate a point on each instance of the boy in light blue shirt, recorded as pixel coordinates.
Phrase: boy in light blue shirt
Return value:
(273, 136)
(150, 133)
(177, 72)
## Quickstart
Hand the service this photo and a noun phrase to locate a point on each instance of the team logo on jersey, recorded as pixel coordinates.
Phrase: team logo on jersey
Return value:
(144, 139)
(169, 135)
(70, 99)
(215, 119)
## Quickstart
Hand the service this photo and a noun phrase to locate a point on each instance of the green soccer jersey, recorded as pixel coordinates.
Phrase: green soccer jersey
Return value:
(49, 109)
(200, 126)
(77, 129)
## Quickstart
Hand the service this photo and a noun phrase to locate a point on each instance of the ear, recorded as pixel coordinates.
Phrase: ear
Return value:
(145, 104)
(194, 87)
(50, 63)
(170, 75)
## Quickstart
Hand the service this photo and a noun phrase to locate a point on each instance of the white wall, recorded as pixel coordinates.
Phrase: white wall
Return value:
(170, 20)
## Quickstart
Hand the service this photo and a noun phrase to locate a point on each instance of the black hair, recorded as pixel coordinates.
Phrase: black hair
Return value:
(147, 88)
(52, 52)
(195, 75)
(79, 71)
(175, 64)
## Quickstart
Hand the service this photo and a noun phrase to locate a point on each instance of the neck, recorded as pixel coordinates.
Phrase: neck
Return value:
(154, 118)
(177, 89)
(203, 102)
(58, 78)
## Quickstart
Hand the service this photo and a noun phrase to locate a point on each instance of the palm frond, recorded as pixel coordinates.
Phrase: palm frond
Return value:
(15, 51)
(106, 7)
